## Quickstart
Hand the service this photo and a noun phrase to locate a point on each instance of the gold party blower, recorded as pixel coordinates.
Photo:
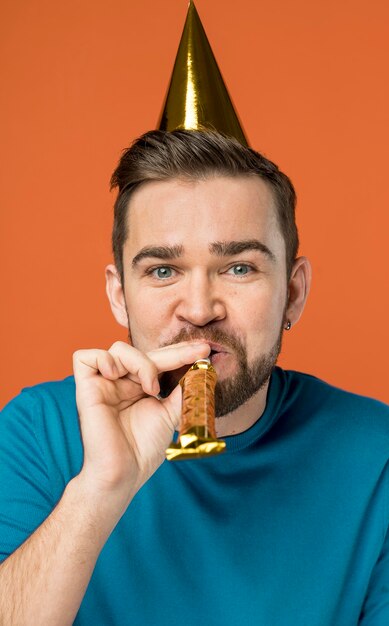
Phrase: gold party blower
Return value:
(197, 436)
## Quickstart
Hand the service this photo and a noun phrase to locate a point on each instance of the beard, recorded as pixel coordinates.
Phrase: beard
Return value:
(235, 390)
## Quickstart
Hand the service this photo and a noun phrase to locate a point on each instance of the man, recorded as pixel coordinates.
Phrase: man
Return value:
(288, 527)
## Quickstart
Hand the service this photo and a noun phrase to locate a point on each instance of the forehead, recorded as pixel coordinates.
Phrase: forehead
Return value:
(219, 208)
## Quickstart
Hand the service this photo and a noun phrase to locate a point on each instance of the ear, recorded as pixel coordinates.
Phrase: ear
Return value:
(298, 289)
(115, 293)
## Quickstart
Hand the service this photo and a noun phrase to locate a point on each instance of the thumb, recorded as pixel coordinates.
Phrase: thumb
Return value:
(173, 406)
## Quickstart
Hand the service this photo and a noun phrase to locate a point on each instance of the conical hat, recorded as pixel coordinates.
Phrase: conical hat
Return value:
(197, 97)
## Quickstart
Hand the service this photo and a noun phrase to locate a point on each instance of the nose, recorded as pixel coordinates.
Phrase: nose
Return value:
(200, 303)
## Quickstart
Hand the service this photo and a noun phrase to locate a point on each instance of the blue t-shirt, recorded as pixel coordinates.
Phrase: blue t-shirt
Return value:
(287, 528)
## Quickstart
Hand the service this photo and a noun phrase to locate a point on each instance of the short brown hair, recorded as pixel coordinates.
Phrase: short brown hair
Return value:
(192, 154)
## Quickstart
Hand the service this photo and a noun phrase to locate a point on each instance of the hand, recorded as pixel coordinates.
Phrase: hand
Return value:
(125, 428)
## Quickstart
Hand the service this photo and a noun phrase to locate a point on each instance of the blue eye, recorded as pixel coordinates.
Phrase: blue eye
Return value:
(163, 272)
(240, 270)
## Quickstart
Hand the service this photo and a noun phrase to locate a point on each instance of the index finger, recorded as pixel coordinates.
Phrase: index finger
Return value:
(175, 356)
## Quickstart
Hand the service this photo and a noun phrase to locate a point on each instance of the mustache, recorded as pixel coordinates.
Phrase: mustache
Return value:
(212, 335)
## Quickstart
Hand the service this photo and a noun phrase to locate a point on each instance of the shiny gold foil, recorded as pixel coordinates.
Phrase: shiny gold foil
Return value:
(197, 97)
(197, 436)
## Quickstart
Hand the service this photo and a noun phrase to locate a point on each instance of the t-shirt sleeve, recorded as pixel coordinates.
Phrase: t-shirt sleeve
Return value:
(25, 495)
(375, 610)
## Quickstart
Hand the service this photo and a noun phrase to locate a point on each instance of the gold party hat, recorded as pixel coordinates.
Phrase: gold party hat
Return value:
(197, 97)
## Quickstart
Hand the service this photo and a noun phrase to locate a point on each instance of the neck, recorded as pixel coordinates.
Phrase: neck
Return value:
(244, 417)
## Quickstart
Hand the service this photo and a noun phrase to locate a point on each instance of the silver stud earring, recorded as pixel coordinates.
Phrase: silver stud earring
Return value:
(288, 325)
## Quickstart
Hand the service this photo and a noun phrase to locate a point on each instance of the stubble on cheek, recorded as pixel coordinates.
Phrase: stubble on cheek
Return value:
(235, 390)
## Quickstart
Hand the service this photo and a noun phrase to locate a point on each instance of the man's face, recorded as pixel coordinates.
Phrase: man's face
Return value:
(206, 259)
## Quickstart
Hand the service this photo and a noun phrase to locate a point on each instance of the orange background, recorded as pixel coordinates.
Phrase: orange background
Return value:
(81, 79)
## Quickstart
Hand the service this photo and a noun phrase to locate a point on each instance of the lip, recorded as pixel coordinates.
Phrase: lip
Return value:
(217, 347)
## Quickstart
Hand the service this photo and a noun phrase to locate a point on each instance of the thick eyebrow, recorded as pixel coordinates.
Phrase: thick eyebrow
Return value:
(158, 252)
(219, 248)
(231, 248)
